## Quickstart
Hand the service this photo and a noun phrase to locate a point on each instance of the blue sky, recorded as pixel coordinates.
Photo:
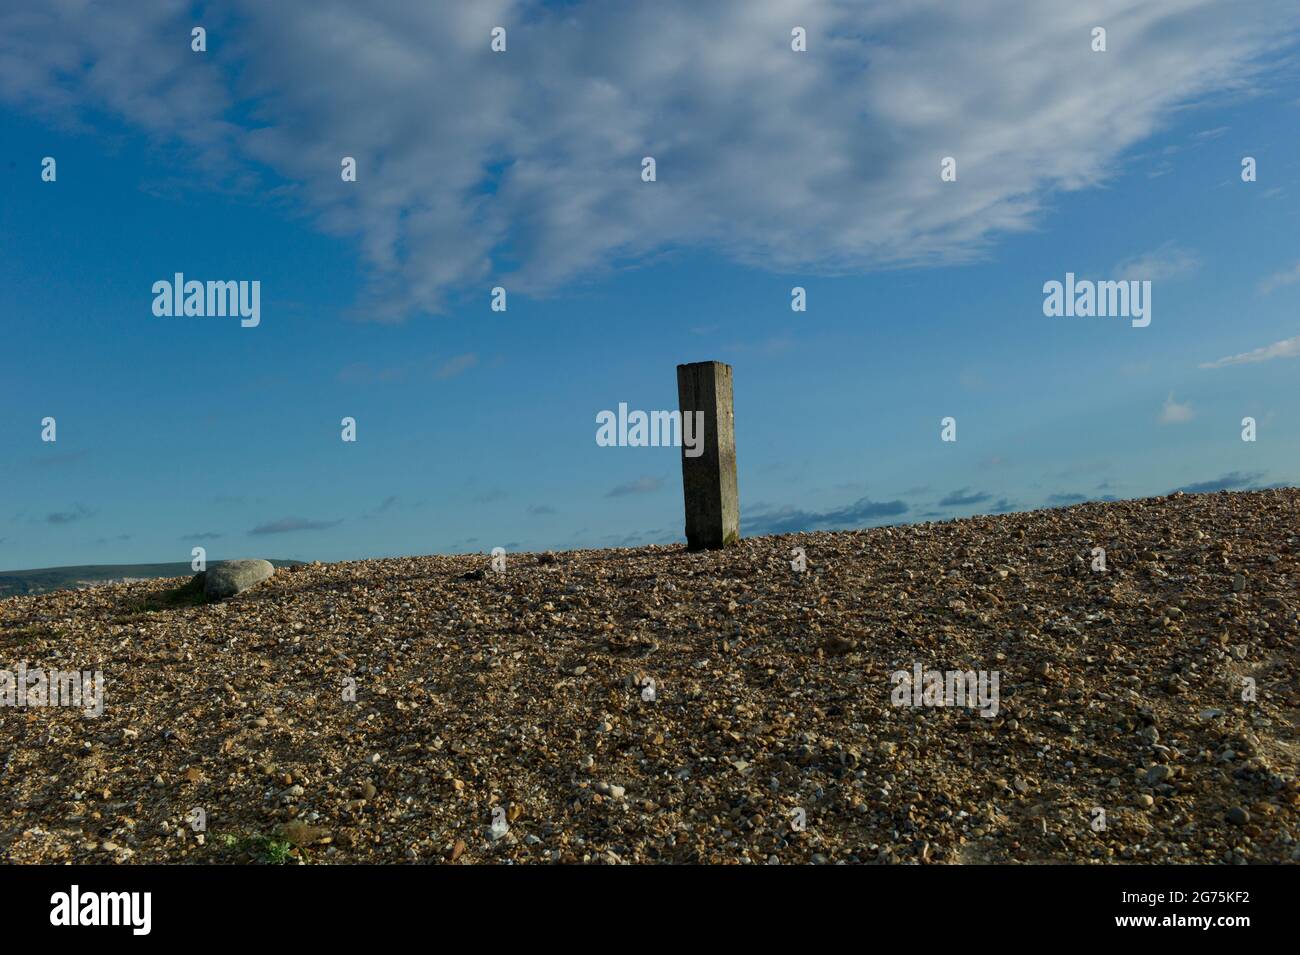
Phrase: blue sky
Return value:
(819, 169)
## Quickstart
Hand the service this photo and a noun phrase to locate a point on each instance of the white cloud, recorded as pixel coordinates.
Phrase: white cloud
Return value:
(1279, 279)
(642, 485)
(455, 366)
(1169, 261)
(523, 168)
(1175, 413)
(1287, 348)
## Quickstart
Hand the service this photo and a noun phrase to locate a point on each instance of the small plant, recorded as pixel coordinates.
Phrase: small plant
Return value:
(263, 849)
(275, 851)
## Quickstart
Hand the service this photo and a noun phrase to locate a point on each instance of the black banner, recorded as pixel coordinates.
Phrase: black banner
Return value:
(337, 904)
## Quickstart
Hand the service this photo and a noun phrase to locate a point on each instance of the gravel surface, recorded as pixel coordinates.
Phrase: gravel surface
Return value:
(509, 716)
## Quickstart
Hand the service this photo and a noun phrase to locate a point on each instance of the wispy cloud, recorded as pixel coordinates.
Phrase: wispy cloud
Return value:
(541, 510)
(478, 172)
(201, 536)
(79, 513)
(643, 485)
(1169, 261)
(1174, 413)
(455, 366)
(1286, 348)
(789, 520)
(287, 525)
(387, 504)
(965, 496)
(1279, 279)
(362, 373)
(1232, 481)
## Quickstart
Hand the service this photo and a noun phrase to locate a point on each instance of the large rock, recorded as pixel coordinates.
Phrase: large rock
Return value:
(232, 576)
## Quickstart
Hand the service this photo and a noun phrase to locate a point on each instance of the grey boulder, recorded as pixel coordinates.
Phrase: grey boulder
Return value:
(232, 576)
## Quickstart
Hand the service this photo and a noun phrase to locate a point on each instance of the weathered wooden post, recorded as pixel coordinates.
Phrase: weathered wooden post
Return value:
(709, 467)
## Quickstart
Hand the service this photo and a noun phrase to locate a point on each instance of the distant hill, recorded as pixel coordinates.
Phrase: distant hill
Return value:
(14, 583)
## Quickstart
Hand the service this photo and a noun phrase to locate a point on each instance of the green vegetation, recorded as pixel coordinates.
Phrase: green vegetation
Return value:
(273, 851)
(260, 848)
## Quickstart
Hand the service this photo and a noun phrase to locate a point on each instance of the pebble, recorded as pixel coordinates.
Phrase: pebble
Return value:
(1158, 774)
(484, 704)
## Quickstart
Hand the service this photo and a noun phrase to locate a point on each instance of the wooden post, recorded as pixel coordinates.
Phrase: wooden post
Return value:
(709, 467)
